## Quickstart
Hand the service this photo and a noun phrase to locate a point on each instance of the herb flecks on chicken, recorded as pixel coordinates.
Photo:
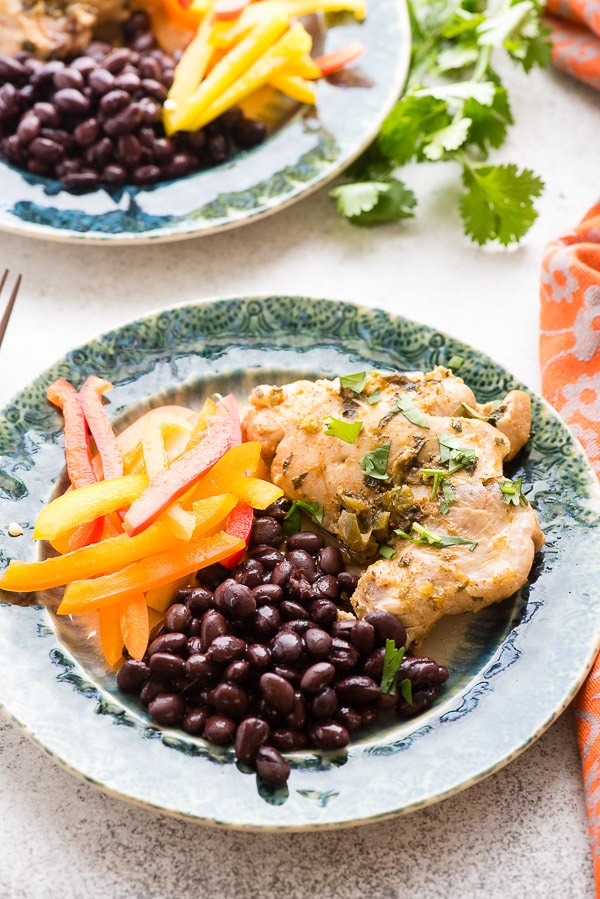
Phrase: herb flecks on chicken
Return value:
(417, 496)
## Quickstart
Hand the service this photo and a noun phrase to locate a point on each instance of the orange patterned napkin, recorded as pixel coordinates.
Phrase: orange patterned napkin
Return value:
(575, 26)
(570, 363)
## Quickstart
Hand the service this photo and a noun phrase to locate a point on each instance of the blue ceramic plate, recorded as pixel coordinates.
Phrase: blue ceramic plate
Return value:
(514, 667)
(308, 147)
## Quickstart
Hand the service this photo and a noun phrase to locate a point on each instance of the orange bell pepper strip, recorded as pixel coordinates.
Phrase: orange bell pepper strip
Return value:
(183, 15)
(169, 484)
(77, 446)
(100, 427)
(111, 638)
(135, 625)
(112, 553)
(86, 504)
(148, 573)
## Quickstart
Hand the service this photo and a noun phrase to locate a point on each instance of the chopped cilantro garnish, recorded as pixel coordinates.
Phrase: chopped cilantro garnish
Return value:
(388, 552)
(513, 492)
(406, 690)
(355, 382)
(491, 417)
(374, 397)
(391, 667)
(429, 538)
(455, 363)
(374, 464)
(293, 519)
(347, 431)
(438, 475)
(448, 497)
(410, 411)
(453, 453)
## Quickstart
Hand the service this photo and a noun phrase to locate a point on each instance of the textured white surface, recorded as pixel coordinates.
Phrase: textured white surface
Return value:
(521, 832)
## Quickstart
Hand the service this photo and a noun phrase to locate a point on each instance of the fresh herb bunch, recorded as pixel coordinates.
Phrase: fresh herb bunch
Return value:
(455, 108)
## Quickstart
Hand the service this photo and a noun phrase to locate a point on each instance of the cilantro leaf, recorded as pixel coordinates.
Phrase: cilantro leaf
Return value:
(438, 475)
(391, 667)
(374, 464)
(355, 382)
(347, 431)
(411, 411)
(427, 537)
(448, 497)
(387, 552)
(293, 518)
(374, 397)
(382, 201)
(409, 125)
(406, 690)
(498, 202)
(352, 199)
(512, 492)
(453, 453)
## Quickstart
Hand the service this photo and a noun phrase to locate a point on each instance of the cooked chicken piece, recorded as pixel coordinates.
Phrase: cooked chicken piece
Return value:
(54, 28)
(437, 476)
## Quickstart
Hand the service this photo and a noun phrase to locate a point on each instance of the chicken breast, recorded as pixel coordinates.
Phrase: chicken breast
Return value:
(422, 481)
(54, 28)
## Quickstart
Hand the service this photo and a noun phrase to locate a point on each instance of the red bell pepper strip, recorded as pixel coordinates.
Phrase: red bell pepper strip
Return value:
(168, 484)
(337, 60)
(239, 524)
(100, 427)
(77, 445)
(234, 418)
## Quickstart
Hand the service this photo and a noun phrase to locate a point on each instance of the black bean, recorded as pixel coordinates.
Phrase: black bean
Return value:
(286, 647)
(303, 563)
(230, 700)
(300, 589)
(131, 675)
(114, 174)
(101, 81)
(71, 102)
(69, 77)
(145, 174)
(281, 573)
(330, 560)
(329, 735)
(163, 149)
(150, 68)
(249, 134)
(11, 70)
(324, 705)
(317, 677)
(174, 643)
(81, 182)
(46, 72)
(348, 581)
(328, 586)
(343, 628)
(219, 729)
(279, 509)
(167, 666)
(237, 672)
(250, 573)
(323, 612)
(422, 671)
(342, 655)
(351, 718)
(28, 128)
(362, 636)
(293, 611)
(167, 709)
(83, 64)
(47, 150)
(258, 656)
(86, 132)
(47, 114)
(309, 541)
(272, 766)
(372, 666)
(150, 690)
(265, 529)
(226, 648)
(317, 642)
(297, 717)
(199, 599)
(421, 700)
(357, 690)
(213, 625)
(252, 733)
(193, 721)
(201, 668)
(124, 121)
(387, 627)
(114, 101)
(116, 59)
(267, 593)
(177, 618)
(100, 153)
(277, 691)
(154, 88)
(267, 555)
(267, 621)
(287, 739)
(129, 81)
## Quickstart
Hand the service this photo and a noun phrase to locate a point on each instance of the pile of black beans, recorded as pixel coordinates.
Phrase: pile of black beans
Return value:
(97, 120)
(258, 656)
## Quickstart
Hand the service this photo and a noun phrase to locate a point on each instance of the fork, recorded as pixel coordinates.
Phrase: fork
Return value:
(10, 303)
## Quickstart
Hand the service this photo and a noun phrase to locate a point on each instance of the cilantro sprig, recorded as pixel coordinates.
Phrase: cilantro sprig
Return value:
(455, 109)
(512, 492)
(293, 518)
(423, 535)
(374, 464)
(347, 431)
(392, 662)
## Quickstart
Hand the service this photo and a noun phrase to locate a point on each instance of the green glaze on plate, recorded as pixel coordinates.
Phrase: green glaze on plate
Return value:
(307, 147)
(514, 667)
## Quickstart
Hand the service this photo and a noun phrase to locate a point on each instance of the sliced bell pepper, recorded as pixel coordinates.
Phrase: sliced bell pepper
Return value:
(226, 10)
(148, 573)
(339, 59)
(160, 598)
(190, 115)
(135, 625)
(175, 420)
(170, 484)
(295, 87)
(239, 524)
(77, 446)
(292, 45)
(186, 15)
(191, 68)
(86, 504)
(112, 553)
(100, 427)
(111, 638)
(235, 470)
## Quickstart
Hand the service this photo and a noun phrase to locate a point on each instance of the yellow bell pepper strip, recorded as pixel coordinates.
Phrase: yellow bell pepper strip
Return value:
(160, 598)
(170, 484)
(86, 504)
(191, 68)
(175, 419)
(190, 115)
(291, 45)
(112, 553)
(339, 59)
(111, 638)
(304, 67)
(146, 574)
(100, 427)
(295, 87)
(135, 625)
(77, 447)
(234, 473)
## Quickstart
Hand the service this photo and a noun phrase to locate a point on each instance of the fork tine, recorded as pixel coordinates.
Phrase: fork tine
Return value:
(11, 302)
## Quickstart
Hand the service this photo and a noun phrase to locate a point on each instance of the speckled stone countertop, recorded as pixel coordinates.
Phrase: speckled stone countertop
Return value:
(521, 832)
